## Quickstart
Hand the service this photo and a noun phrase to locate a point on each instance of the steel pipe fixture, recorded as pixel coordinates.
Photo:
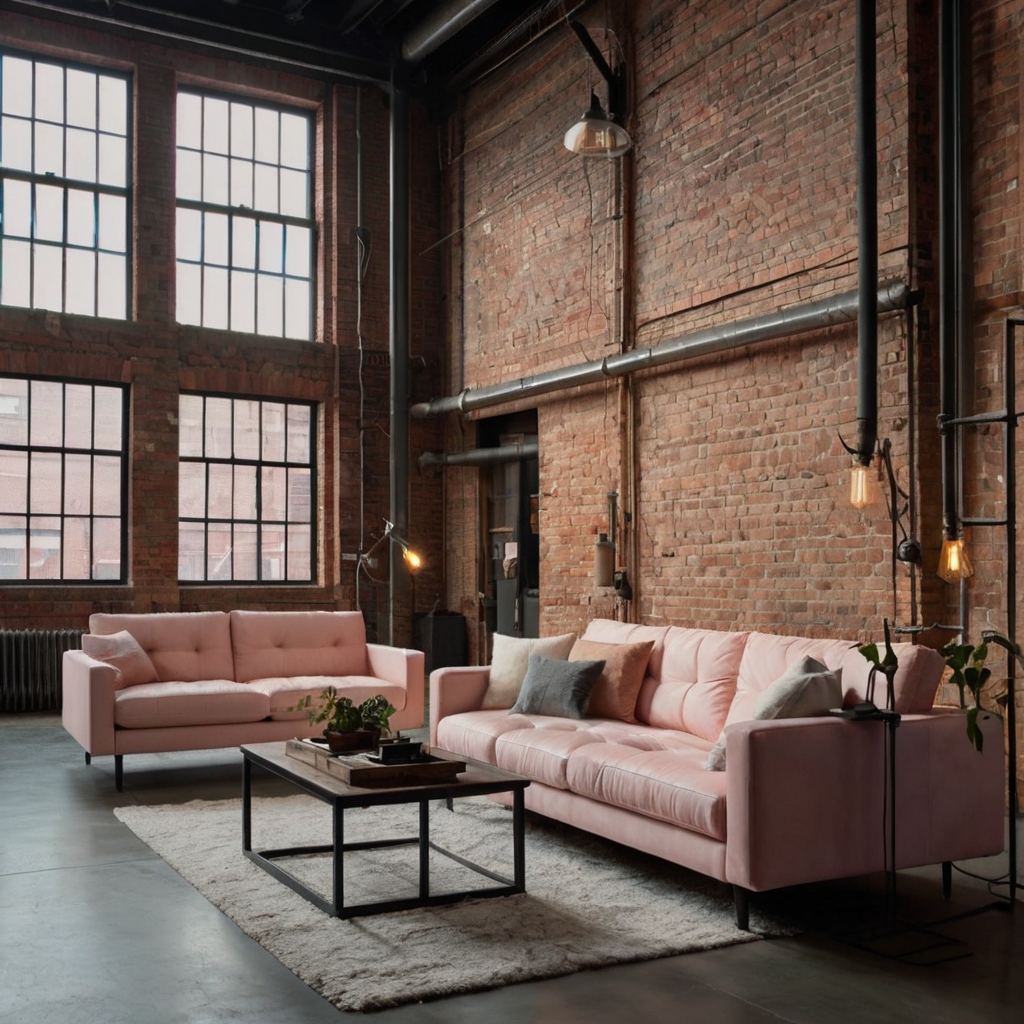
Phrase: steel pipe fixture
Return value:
(481, 456)
(781, 323)
(434, 31)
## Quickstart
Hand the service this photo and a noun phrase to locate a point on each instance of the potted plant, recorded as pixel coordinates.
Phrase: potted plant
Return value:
(376, 712)
(348, 726)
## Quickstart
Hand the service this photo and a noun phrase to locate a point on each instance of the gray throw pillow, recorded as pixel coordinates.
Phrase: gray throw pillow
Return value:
(806, 689)
(558, 688)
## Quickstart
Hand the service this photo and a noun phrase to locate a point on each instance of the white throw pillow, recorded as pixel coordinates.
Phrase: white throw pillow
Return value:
(121, 650)
(806, 689)
(510, 658)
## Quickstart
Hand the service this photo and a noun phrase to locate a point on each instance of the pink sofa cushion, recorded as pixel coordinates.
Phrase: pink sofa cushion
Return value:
(131, 663)
(611, 631)
(768, 656)
(625, 666)
(541, 749)
(206, 702)
(183, 646)
(286, 692)
(276, 644)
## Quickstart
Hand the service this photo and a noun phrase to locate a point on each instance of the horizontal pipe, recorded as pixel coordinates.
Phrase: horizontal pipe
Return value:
(778, 324)
(481, 456)
(435, 30)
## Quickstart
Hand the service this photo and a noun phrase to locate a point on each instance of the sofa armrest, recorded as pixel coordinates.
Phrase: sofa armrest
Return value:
(403, 667)
(88, 701)
(454, 690)
(805, 797)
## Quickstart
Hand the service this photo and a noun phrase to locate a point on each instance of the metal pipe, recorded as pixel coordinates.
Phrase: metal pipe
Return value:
(434, 31)
(399, 304)
(780, 323)
(482, 456)
(867, 235)
(1010, 476)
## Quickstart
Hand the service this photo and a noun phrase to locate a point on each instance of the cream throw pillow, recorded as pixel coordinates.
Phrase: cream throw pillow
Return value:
(806, 689)
(122, 651)
(510, 658)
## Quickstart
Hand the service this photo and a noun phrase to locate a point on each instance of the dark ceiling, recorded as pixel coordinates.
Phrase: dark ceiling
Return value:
(347, 39)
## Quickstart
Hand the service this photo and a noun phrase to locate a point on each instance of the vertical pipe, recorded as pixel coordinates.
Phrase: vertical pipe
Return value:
(1010, 471)
(399, 336)
(867, 235)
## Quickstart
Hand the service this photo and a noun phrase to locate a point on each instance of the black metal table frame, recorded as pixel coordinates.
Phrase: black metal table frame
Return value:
(336, 905)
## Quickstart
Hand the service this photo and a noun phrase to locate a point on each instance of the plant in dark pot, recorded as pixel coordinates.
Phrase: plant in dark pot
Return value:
(344, 728)
(375, 713)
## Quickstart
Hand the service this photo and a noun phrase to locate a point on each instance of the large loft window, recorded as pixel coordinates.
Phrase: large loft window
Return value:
(245, 485)
(244, 217)
(65, 165)
(63, 481)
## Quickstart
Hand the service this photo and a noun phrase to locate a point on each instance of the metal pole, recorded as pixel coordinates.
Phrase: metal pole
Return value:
(1010, 470)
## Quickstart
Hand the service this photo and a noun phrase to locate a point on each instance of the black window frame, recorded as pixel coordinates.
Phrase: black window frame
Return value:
(124, 454)
(258, 521)
(33, 179)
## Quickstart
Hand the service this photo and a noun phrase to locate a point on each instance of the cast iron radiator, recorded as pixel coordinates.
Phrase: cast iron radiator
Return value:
(30, 667)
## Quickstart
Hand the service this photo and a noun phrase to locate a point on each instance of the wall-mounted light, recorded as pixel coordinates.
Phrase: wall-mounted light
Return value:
(863, 485)
(599, 132)
(412, 558)
(954, 565)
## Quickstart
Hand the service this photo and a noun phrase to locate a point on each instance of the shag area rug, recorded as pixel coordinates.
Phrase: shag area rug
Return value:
(589, 903)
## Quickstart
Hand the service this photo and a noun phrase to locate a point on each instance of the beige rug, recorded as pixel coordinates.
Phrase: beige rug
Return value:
(589, 902)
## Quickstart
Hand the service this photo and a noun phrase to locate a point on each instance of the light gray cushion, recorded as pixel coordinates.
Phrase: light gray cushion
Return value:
(510, 657)
(558, 688)
(806, 689)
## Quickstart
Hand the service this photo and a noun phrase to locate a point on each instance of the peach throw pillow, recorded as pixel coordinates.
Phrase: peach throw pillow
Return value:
(625, 666)
(122, 651)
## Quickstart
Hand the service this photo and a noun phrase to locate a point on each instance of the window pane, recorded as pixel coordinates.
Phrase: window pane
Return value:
(273, 431)
(272, 555)
(215, 180)
(17, 276)
(296, 306)
(215, 125)
(189, 175)
(77, 484)
(218, 428)
(13, 481)
(49, 156)
(190, 425)
(273, 494)
(295, 141)
(220, 480)
(113, 224)
(245, 558)
(189, 121)
(113, 166)
(192, 490)
(298, 495)
(241, 130)
(241, 183)
(247, 429)
(297, 251)
(81, 98)
(81, 293)
(78, 415)
(17, 143)
(218, 559)
(47, 423)
(13, 411)
(82, 217)
(188, 234)
(106, 489)
(113, 286)
(215, 239)
(266, 135)
(49, 92)
(269, 301)
(46, 277)
(49, 213)
(215, 297)
(243, 251)
(81, 155)
(17, 208)
(243, 301)
(108, 409)
(188, 293)
(191, 551)
(299, 562)
(76, 549)
(294, 199)
(12, 547)
(271, 247)
(44, 561)
(113, 105)
(17, 86)
(106, 549)
(44, 493)
(298, 433)
(245, 493)
(265, 188)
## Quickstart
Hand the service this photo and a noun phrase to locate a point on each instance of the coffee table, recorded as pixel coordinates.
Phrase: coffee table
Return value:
(477, 780)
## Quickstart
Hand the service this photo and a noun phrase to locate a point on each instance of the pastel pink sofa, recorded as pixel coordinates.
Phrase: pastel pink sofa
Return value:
(227, 678)
(801, 800)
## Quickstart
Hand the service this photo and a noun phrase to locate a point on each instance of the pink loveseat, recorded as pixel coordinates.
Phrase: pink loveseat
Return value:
(800, 800)
(227, 678)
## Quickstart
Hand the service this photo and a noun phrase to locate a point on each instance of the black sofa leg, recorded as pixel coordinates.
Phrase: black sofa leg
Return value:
(947, 879)
(88, 757)
(741, 897)
(119, 772)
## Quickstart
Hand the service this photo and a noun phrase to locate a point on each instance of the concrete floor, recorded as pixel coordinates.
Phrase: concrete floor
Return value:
(95, 928)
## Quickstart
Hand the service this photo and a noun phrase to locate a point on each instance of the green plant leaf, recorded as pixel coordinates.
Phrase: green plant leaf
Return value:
(974, 734)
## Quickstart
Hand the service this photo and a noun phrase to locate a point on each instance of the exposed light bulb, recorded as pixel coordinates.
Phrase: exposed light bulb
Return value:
(863, 486)
(954, 565)
(412, 560)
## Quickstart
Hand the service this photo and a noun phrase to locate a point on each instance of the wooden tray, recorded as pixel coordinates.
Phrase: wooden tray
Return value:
(366, 770)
